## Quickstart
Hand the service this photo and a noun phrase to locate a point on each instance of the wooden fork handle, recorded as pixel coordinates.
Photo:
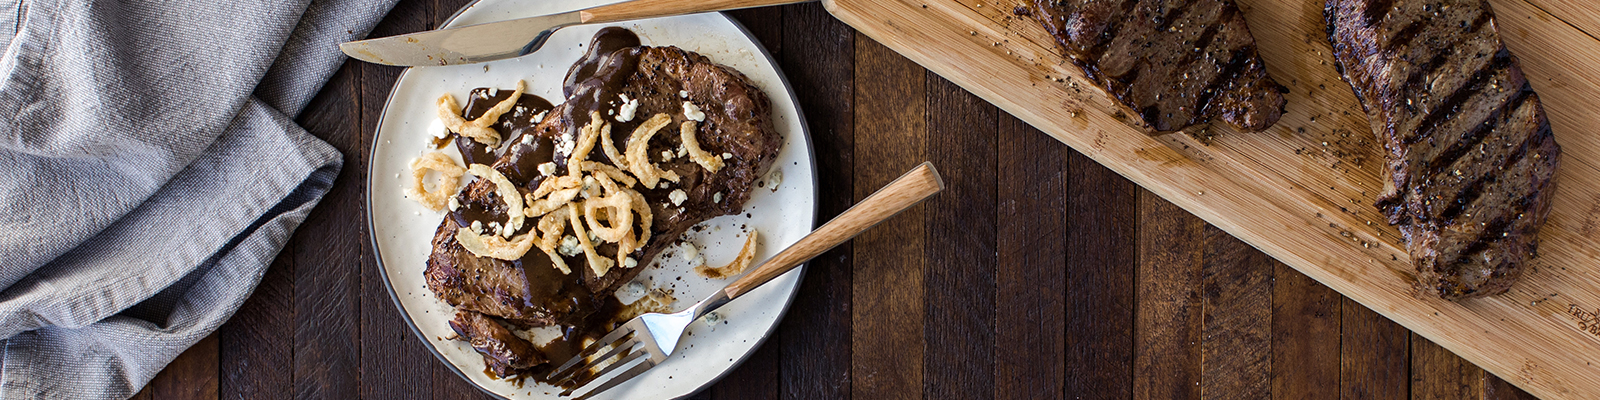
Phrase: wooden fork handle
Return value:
(641, 9)
(906, 191)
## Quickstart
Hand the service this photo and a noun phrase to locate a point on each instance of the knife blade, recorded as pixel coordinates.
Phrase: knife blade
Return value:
(464, 45)
(517, 37)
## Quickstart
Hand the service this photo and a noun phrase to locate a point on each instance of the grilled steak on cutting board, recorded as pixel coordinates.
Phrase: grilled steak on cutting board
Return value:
(1471, 159)
(1174, 64)
(530, 292)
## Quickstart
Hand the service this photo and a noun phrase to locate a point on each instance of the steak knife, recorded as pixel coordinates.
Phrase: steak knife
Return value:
(517, 37)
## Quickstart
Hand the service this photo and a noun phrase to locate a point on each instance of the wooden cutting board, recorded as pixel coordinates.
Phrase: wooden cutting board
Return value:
(1303, 191)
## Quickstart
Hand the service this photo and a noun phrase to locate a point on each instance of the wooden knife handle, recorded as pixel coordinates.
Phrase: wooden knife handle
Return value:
(906, 191)
(641, 9)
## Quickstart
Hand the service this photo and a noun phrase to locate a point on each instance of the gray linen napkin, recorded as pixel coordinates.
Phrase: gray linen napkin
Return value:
(150, 171)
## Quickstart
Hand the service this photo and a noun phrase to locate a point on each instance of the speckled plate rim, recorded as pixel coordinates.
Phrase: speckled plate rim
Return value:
(805, 137)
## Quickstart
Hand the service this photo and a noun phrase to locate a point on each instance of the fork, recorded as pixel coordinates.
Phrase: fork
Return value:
(653, 337)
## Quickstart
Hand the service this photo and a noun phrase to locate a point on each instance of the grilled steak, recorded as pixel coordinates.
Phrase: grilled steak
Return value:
(509, 353)
(1471, 159)
(1175, 64)
(531, 292)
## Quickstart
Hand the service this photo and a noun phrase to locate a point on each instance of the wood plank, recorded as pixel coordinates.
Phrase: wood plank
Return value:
(960, 280)
(394, 363)
(1102, 235)
(815, 335)
(1580, 14)
(1305, 336)
(255, 348)
(1031, 269)
(1374, 353)
(1236, 330)
(447, 385)
(887, 277)
(328, 249)
(1287, 193)
(1438, 374)
(757, 377)
(1167, 339)
(1495, 388)
(191, 376)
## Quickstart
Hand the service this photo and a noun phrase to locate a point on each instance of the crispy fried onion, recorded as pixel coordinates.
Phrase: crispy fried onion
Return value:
(449, 178)
(478, 129)
(594, 199)
(551, 226)
(493, 246)
(635, 159)
(613, 172)
(616, 208)
(739, 264)
(552, 184)
(706, 160)
(586, 140)
(555, 201)
(592, 257)
(507, 192)
(637, 148)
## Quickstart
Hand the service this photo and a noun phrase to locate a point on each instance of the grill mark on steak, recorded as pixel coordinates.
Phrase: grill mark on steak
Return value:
(1438, 58)
(1447, 208)
(1175, 65)
(1098, 43)
(1471, 159)
(1214, 87)
(1475, 137)
(1457, 99)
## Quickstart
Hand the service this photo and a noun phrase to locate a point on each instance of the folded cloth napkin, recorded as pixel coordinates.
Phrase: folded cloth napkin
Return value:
(150, 170)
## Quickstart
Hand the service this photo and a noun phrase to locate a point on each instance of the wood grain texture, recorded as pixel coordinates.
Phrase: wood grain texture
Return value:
(255, 347)
(1370, 350)
(1236, 332)
(1302, 191)
(959, 282)
(887, 276)
(1130, 282)
(1102, 237)
(405, 365)
(1305, 336)
(1437, 374)
(1030, 265)
(329, 250)
(1167, 331)
(755, 379)
(447, 385)
(191, 376)
(818, 323)
(1495, 388)
(641, 9)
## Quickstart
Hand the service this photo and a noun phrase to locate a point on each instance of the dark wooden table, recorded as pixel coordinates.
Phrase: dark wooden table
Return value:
(1037, 274)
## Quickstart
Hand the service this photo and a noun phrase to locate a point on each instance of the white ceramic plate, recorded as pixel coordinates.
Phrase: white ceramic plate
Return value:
(401, 229)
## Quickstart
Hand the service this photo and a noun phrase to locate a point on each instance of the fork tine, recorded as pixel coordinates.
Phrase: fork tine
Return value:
(576, 359)
(585, 380)
(626, 345)
(624, 377)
